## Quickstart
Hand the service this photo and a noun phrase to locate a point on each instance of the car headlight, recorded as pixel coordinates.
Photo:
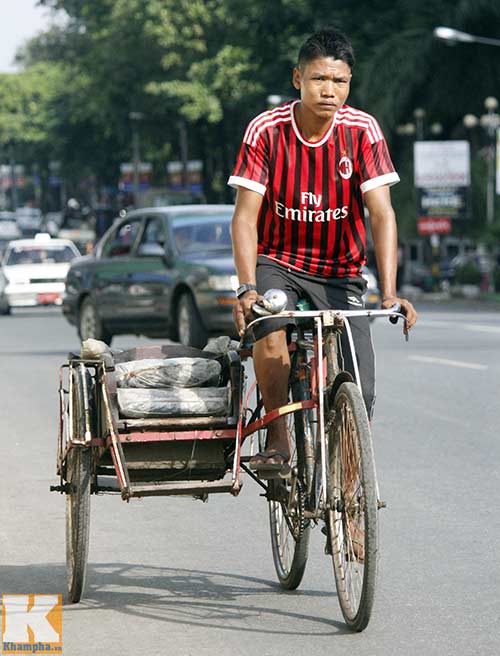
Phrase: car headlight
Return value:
(223, 282)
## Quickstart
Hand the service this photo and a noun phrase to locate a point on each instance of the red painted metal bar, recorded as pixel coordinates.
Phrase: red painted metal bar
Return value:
(113, 442)
(169, 436)
(278, 412)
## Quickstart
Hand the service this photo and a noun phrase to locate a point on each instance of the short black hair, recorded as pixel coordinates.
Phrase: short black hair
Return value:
(328, 42)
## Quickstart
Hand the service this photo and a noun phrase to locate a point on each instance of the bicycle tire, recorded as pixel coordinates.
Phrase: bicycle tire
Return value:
(351, 521)
(78, 479)
(289, 528)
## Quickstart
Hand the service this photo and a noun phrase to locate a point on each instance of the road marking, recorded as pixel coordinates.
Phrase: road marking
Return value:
(450, 363)
(482, 328)
(453, 323)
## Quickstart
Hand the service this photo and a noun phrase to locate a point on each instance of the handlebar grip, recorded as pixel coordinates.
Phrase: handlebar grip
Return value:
(395, 308)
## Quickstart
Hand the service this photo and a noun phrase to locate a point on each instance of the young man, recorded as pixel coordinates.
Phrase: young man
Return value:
(303, 173)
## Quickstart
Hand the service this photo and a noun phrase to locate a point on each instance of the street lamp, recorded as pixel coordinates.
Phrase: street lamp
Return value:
(452, 36)
(490, 122)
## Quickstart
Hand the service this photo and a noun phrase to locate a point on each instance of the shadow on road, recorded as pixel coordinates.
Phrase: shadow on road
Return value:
(188, 597)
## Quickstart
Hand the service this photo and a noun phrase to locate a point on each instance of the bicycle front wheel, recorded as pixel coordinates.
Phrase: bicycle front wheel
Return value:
(352, 506)
(287, 500)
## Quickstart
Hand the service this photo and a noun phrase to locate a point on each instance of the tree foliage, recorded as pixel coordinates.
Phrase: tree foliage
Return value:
(211, 64)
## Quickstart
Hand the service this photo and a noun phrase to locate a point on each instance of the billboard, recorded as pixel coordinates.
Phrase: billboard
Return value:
(442, 163)
(442, 179)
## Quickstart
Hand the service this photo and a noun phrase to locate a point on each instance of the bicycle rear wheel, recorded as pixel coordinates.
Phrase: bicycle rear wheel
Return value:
(287, 500)
(352, 502)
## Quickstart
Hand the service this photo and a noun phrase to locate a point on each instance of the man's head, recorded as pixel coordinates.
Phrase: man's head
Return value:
(328, 42)
(323, 72)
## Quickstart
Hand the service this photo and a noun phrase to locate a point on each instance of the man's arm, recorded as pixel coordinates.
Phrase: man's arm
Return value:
(244, 236)
(385, 241)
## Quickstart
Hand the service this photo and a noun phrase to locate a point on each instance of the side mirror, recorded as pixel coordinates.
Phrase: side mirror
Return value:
(151, 250)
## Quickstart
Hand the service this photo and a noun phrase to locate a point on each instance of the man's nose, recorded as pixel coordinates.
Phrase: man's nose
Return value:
(328, 89)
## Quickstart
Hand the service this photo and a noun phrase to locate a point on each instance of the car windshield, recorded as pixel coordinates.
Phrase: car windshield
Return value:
(40, 255)
(202, 233)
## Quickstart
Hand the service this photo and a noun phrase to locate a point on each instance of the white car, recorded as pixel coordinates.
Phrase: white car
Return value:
(34, 270)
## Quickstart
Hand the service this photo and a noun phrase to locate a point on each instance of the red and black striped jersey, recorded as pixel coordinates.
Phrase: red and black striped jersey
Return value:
(312, 214)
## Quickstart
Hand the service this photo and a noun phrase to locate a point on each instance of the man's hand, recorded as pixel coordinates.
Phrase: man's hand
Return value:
(406, 308)
(242, 311)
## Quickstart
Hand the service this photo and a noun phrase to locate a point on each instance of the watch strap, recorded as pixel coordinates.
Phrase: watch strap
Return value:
(245, 287)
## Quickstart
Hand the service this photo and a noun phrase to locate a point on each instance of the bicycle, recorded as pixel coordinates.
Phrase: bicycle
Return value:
(332, 479)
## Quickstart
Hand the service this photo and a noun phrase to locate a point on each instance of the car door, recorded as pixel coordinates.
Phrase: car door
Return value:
(112, 273)
(151, 277)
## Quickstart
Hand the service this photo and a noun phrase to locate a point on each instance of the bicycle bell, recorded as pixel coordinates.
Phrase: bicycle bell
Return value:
(274, 300)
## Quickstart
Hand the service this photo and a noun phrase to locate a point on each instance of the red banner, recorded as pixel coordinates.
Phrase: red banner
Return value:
(434, 225)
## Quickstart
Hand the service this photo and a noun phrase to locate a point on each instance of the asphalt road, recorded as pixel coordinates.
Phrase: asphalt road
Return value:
(175, 576)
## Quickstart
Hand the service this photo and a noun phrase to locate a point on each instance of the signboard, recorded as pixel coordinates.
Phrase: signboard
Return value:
(6, 179)
(445, 201)
(126, 182)
(194, 176)
(174, 171)
(442, 179)
(442, 163)
(434, 225)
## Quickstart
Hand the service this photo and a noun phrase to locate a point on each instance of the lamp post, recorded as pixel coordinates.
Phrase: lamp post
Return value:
(135, 117)
(451, 36)
(490, 122)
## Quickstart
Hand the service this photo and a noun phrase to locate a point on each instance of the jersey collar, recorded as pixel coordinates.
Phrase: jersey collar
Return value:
(311, 144)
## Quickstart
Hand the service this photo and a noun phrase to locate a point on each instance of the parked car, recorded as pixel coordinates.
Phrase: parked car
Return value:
(33, 271)
(160, 272)
(9, 230)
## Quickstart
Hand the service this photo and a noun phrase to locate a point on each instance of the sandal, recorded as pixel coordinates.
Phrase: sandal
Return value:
(266, 467)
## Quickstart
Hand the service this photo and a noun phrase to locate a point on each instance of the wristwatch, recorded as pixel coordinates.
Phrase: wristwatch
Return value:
(245, 287)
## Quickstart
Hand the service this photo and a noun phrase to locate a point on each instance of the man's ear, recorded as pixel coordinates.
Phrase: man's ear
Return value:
(296, 78)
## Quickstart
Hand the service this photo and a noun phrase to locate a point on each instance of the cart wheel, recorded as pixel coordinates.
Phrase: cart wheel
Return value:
(78, 474)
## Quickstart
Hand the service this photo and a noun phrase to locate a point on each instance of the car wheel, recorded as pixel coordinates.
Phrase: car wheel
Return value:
(89, 324)
(189, 327)
(5, 309)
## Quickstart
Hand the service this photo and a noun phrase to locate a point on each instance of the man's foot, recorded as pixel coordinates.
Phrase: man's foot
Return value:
(270, 462)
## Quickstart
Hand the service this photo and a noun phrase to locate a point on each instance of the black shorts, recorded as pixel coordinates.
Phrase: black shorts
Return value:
(324, 294)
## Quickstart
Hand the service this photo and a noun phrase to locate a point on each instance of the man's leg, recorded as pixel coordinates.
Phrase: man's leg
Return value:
(272, 370)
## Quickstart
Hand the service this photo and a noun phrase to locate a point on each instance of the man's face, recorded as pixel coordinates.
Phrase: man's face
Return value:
(324, 85)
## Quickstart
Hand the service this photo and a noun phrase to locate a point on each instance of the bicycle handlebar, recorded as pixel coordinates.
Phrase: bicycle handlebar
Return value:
(394, 313)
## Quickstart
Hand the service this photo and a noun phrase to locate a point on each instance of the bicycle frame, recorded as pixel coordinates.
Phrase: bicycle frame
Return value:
(336, 320)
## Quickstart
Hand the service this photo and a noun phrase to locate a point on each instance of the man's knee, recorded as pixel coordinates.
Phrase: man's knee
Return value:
(272, 343)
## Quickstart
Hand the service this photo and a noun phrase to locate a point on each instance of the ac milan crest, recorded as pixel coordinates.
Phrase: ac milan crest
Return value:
(345, 168)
